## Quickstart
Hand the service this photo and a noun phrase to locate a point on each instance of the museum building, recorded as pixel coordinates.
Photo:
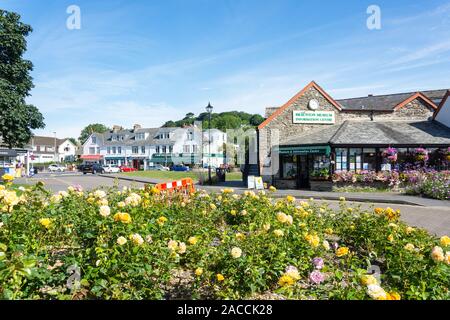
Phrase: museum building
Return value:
(313, 132)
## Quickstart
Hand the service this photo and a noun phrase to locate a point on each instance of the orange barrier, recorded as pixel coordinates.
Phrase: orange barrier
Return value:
(186, 184)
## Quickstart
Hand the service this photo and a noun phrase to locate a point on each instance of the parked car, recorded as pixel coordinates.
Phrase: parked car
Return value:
(127, 169)
(56, 168)
(159, 167)
(92, 168)
(180, 167)
(110, 168)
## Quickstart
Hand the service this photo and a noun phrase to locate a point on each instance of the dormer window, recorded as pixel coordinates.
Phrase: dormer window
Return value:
(140, 136)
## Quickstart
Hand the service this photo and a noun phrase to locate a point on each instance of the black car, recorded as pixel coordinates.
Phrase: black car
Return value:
(92, 168)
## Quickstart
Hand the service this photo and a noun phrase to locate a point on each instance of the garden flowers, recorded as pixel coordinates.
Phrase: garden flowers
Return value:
(161, 220)
(236, 252)
(316, 277)
(105, 211)
(122, 217)
(46, 222)
(445, 241)
(437, 254)
(137, 239)
(121, 241)
(342, 251)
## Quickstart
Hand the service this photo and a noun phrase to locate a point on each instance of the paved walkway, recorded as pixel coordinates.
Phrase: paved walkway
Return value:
(380, 197)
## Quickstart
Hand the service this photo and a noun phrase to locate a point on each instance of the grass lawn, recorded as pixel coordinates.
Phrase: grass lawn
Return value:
(176, 175)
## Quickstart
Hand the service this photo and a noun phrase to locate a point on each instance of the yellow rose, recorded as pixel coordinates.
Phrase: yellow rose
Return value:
(46, 222)
(198, 272)
(410, 230)
(329, 231)
(233, 212)
(290, 199)
(272, 189)
(445, 241)
(368, 279)
(161, 220)
(172, 245)
(122, 217)
(409, 247)
(278, 233)
(137, 239)
(437, 254)
(212, 206)
(342, 251)
(390, 238)
(181, 247)
(105, 211)
(7, 177)
(240, 236)
(393, 296)
(286, 281)
(243, 212)
(220, 277)
(266, 226)
(192, 240)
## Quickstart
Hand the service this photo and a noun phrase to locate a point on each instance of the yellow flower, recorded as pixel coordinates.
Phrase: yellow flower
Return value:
(281, 217)
(212, 206)
(313, 240)
(342, 251)
(329, 231)
(192, 240)
(447, 258)
(240, 236)
(198, 272)
(266, 226)
(220, 277)
(121, 241)
(445, 241)
(172, 245)
(341, 198)
(409, 247)
(350, 210)
(121, 204)
(379, 211)
(392, 214)
(304, 204)
(137, 239)
(2, 187)
(227, 190)
(278, 233)
(122, 217)
(410, 230)
(7, 177)
(154, 190)
(46, 222)
(368, 279)
(236, 252)
(286, 281)
(290, 199)
(161, 220)
(326, 245)
(393, 296)
(437, 254)
(233, 212)
(243, 212)
(181, 247)
(272, 189)
(390, 238)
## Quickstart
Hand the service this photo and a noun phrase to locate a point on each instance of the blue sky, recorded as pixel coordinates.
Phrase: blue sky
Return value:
(151, 61)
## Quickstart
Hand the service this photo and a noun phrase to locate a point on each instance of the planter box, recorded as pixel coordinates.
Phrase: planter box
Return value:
(321, 185)
(375, 184)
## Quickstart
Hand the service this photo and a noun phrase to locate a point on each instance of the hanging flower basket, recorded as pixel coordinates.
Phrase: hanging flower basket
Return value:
(390, 154)
(421, 154)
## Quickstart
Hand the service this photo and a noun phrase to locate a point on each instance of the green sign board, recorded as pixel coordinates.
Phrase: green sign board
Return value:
(305, 150)
(313, 117)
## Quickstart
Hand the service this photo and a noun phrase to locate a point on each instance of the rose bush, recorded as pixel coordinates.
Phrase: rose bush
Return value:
(141, 244)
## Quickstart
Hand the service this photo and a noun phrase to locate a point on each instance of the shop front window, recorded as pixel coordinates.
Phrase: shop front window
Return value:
(341, 159)
(369, 159)
(289, 166)
(355, 163)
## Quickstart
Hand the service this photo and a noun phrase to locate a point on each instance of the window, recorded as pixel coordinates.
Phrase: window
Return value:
(194, 148)
(98, 150)
(341, 159)
(142, 149)
(164, 149)
(108, 150)
(321, 162)
(157, 149)
(91, 150)
(119, 149)
(50, 149)
(289, 166)
(355, 163)
(113, 138)
(369, 159)
(140, 136)
(135, 149)
(170, 149)
(186, 149)
(94, 139)
(114, 150)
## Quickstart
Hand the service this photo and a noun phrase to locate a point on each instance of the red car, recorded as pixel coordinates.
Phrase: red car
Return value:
(127, 169)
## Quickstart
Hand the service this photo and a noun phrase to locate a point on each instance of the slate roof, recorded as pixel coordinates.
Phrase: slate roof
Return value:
(426, 133)
(387, 102)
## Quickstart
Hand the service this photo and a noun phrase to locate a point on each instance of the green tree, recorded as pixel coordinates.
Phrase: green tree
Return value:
(256, 119)
(74, 141)
(17, 118)
(90, 129)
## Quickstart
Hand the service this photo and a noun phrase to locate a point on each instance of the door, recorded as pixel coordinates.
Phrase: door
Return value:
(303, 171)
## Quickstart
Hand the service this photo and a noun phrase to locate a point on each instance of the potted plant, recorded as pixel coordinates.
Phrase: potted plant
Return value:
(320, 180)
(390, 154)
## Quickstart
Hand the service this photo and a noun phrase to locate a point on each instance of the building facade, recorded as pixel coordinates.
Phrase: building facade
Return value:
(313, 132)
(51, 149)
(142, 148)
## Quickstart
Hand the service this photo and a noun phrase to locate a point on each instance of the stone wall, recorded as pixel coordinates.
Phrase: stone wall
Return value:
(415, 110)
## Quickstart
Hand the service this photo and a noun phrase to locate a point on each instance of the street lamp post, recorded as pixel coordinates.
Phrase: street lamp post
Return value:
(54, 156)
(209, 109)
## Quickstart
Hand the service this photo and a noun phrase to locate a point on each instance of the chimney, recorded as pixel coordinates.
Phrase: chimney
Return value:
(370, 95)
(116, 128)
(136, 126)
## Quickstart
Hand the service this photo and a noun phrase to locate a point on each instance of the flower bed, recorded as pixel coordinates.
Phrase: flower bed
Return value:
(427, 182)
(139, 244)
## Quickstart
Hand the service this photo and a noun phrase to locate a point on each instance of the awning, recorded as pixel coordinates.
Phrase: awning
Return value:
(92, 157)
(304, 150)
